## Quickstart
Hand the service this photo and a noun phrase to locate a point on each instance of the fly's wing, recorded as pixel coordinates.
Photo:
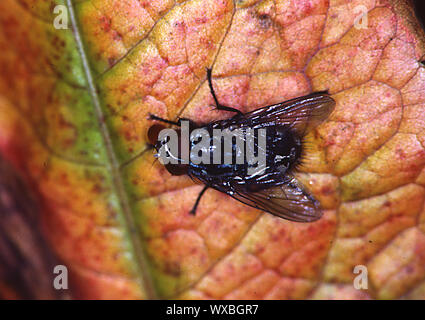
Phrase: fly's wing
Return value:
(287, 198)
(302, 113)
(288, 201)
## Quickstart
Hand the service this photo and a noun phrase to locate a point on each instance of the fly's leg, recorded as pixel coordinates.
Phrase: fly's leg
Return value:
(195, 206)
(219, 106)
(192, 123)
(154, 117)
(174, 123)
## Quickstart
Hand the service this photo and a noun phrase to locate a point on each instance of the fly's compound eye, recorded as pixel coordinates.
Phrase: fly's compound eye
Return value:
(153, 133)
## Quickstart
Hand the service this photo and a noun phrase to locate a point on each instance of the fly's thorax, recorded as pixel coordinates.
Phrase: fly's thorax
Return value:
(239, 149)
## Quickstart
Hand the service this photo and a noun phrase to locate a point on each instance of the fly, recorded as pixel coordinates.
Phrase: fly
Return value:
(275, 189)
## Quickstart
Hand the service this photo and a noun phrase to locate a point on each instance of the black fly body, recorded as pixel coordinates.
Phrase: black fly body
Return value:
(275, 190)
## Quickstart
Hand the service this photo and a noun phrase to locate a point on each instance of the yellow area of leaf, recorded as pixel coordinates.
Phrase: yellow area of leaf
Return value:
(75, 121)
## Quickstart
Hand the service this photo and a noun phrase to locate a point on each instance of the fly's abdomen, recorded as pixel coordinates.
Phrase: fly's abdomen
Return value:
(285, 148)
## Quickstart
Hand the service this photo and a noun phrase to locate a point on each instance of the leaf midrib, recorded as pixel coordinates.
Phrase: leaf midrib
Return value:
(140, 257)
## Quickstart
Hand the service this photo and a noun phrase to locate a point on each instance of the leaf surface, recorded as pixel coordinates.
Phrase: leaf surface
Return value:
(73, 119)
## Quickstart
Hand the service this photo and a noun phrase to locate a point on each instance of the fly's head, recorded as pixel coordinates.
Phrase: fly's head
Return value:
(153, 134)
(177, 167)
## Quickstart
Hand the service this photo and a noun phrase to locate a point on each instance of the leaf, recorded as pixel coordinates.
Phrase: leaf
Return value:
(73, 119)
(26, 261)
